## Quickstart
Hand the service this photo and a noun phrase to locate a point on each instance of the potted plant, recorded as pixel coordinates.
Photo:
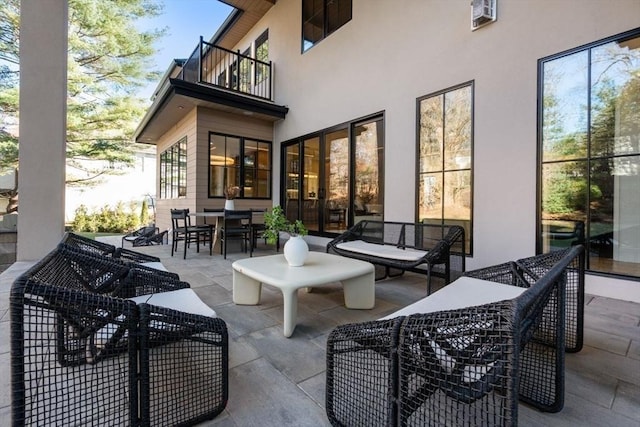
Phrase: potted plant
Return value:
(230, 193)
(296, 248)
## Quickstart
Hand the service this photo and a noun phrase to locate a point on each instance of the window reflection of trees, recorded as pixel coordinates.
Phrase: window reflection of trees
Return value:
(591, 145)
(444, 169)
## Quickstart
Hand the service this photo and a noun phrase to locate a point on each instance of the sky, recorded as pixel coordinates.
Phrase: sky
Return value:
(186, 21)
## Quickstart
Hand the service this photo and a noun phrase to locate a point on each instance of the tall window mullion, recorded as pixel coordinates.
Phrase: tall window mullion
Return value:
(173, 171)
(444, 147)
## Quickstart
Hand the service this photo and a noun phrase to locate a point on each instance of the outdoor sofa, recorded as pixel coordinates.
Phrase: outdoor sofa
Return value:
(434, 250)
(97, 340)
(446, 360)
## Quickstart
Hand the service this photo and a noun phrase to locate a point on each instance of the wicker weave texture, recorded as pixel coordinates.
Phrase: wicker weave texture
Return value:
(537, 266)
(81, 357)
(444, 246)
(467, 366)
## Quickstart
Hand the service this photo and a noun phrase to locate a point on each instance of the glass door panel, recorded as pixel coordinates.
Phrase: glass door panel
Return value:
(369, 172)
(292, 181)
(311, 183)
(336, 181)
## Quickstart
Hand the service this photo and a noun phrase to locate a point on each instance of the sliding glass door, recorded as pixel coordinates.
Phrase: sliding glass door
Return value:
(334, 178)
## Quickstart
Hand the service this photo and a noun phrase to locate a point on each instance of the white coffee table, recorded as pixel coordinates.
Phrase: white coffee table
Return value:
(357, 277)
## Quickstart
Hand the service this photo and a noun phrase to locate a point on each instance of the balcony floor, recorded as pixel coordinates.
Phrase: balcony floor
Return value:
(278, 381)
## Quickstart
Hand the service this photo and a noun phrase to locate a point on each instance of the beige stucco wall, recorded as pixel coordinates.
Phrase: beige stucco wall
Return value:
(393, 52)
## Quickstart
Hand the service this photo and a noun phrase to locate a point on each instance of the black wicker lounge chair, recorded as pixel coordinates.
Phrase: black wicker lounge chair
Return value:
(105, 249)
(160, 238)
(574, 281)
(82, 354)
(147, 231)
(463, 366)
(434, 250)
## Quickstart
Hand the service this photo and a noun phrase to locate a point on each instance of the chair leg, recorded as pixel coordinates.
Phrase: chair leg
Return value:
(186, 240)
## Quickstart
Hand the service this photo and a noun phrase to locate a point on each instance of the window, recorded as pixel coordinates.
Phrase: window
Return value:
(262, 55)
(242, 162)
(245, 71)
(589, 161)
(321, 18)
(222, 78)
(173, 171)
(445, 142)
(233, 74)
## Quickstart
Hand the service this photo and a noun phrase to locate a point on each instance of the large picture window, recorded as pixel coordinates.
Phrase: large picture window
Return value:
(589, 145)
(173, 171)
(445, 142)
(321, 18)
(241, 162)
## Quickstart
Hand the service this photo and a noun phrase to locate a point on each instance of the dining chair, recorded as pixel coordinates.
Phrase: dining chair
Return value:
(258, 229)
(236, 225)
(184, 231)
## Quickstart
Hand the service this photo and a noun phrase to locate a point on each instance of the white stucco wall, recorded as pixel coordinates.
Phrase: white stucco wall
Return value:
(43, 111)
(393, 52)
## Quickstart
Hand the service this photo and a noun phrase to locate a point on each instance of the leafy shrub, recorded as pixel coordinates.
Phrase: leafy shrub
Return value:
(106, 219)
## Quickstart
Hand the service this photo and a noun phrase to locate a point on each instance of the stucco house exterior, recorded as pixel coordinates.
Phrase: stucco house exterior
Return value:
(518, 121)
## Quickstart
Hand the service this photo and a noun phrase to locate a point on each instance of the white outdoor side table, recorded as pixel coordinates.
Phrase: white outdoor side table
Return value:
(357, 277)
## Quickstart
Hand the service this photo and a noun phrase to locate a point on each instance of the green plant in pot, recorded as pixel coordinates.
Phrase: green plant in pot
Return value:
(275, 221)
(295, 249)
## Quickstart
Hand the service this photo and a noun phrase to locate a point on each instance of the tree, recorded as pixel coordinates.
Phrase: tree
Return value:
(109, 58)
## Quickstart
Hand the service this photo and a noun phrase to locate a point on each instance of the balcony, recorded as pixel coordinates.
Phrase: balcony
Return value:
(215, 78)
(225, 69)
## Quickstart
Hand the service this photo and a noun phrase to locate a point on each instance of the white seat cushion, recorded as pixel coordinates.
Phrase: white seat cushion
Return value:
(154, 264)
(184, 300)
(461, 293)
(382, 251)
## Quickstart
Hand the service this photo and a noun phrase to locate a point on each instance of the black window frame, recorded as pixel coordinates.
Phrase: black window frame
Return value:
(173, 171)
(260, 73)
(469, 229)
(328, 28)
(589, 159)
(349, 127)
(241, 169)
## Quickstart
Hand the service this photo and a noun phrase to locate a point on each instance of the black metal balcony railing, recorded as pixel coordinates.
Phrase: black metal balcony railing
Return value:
(214, 65)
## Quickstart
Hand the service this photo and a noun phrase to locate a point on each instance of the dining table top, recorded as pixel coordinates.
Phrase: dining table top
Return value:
(221, 213)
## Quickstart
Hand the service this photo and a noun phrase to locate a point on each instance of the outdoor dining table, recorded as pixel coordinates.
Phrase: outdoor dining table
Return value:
(217, 215)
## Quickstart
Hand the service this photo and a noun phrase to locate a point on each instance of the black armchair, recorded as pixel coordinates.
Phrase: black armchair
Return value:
(105, 249)
(458, 366)
(83, 354)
